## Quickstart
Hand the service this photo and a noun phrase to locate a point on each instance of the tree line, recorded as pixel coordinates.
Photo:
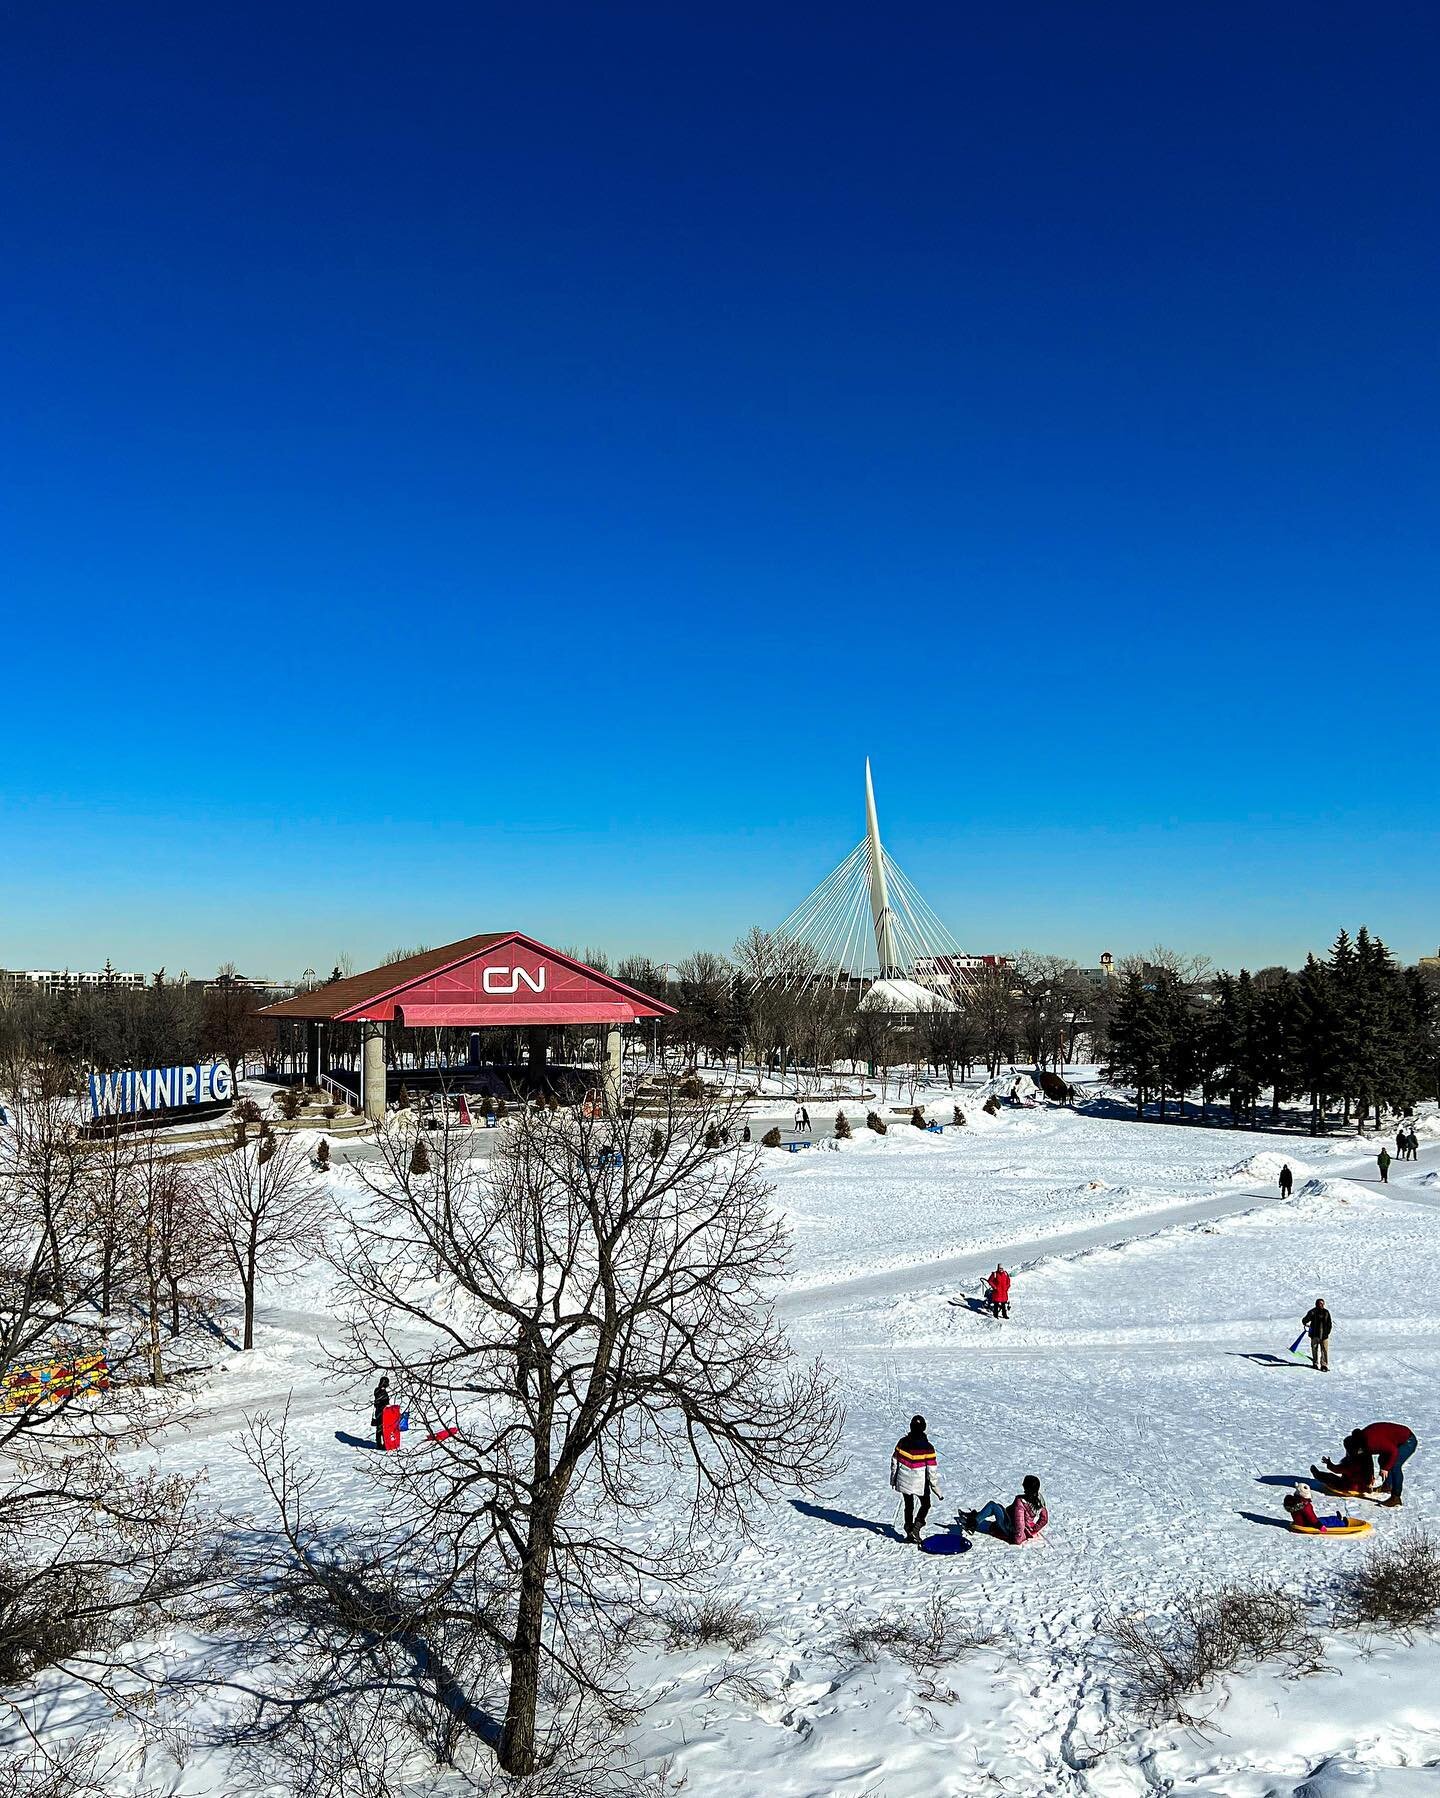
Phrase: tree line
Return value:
(1355, 1032)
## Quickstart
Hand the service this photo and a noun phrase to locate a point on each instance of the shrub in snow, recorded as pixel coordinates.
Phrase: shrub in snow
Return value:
(247, 1111)
(700, 1624)
(692, 1087)
(268, 1144)
(959, 1117)
(992, 1105)
(288, 1099)
(771, 1138)
(917, 1118)
(657, 1145)
(712, 1136)
(322, 1154)
(402, 1098)
(924, 1639)
(1397, 1585)
(842, 1125)
(875, 1122)
(1165, 1660)
(420, 1157)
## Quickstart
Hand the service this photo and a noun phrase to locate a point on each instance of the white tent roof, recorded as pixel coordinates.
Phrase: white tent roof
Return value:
(903, 996)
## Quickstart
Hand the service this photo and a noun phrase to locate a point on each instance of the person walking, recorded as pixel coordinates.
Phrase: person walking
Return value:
(915, 1474)
(799, 1117)
(1287, 1181)
(382, 1399)
(1318, 1321)
(805, 1121)
(1382, 1161)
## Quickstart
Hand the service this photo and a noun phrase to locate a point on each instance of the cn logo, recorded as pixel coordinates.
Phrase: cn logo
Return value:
(507, 980)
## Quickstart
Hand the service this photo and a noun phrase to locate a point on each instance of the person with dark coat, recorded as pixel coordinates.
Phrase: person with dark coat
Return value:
(1382, 1161)
(1287, 1181)
(1318, 1321)
(1354, 1472)
(382, 1399)
(915, 1474)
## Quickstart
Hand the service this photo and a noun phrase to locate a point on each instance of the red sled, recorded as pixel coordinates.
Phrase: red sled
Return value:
(444, 1435)
(390, 1427)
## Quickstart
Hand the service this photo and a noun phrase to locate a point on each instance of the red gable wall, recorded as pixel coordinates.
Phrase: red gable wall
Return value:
(517, 981)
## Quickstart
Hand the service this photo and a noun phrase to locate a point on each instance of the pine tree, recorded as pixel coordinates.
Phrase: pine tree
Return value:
(1315, 1041)
(842, 1126)
(1134, 1040)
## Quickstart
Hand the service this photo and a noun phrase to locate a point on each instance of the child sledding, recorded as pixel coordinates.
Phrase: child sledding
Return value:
(1019, 1521)
(1306, 1521)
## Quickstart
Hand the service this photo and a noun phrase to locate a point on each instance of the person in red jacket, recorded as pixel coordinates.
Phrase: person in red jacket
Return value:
(1392, 1445)
(997, 1293)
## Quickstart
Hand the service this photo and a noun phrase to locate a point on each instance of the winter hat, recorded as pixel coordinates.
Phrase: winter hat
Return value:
(918, 1423)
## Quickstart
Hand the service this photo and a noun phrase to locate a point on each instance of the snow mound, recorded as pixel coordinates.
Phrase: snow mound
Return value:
(1333, 1189)
(1265, 1164)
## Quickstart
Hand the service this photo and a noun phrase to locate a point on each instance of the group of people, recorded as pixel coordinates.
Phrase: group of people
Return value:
(1373, 1462)
(915, 1475)
(1407, 1145)
(802, 1121)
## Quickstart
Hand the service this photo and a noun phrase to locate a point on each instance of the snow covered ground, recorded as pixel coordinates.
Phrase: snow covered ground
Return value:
(1158, 1281)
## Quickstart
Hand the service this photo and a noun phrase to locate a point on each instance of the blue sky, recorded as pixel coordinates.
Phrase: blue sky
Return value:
(479, 465)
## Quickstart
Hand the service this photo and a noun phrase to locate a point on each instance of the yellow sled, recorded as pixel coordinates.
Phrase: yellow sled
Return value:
(1352, 1526)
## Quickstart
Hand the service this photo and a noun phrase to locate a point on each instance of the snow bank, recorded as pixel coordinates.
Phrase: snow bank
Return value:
(1264, 1167)
(1345, 1190)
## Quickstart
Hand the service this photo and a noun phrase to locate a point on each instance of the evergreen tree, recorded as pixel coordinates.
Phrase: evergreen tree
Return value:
(1134, 1039)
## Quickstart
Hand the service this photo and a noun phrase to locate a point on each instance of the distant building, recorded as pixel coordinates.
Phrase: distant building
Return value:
(53, 982)
(1431, 962)
(246, 983)
(1106, 972)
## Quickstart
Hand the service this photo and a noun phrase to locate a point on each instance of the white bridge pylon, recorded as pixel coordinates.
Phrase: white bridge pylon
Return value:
(867, 921)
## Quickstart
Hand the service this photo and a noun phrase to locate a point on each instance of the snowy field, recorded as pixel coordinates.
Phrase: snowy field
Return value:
(1158, 1281)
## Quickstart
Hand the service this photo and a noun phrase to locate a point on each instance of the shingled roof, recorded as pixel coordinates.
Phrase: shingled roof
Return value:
(339, 996)
(436, 981)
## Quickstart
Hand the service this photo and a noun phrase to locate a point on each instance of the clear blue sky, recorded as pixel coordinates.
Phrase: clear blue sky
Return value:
(476, 465)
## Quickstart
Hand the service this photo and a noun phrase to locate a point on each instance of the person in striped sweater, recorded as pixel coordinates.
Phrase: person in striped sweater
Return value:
(915, 1474)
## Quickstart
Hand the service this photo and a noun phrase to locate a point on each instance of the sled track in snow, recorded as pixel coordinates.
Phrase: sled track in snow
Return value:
(896, 1282)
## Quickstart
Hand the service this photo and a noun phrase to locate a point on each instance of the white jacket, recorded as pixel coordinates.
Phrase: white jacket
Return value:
(912, 1475)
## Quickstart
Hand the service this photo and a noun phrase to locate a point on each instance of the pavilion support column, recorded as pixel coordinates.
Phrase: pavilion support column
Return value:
(610, 1068)
(372, 1070)
(537, 1048)
(312, 1053)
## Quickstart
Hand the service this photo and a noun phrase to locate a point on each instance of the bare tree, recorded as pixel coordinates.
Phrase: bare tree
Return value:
(46, 1162)
(594, 1321)
(266, 1211)
(91, 1558)
(990, 1006)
